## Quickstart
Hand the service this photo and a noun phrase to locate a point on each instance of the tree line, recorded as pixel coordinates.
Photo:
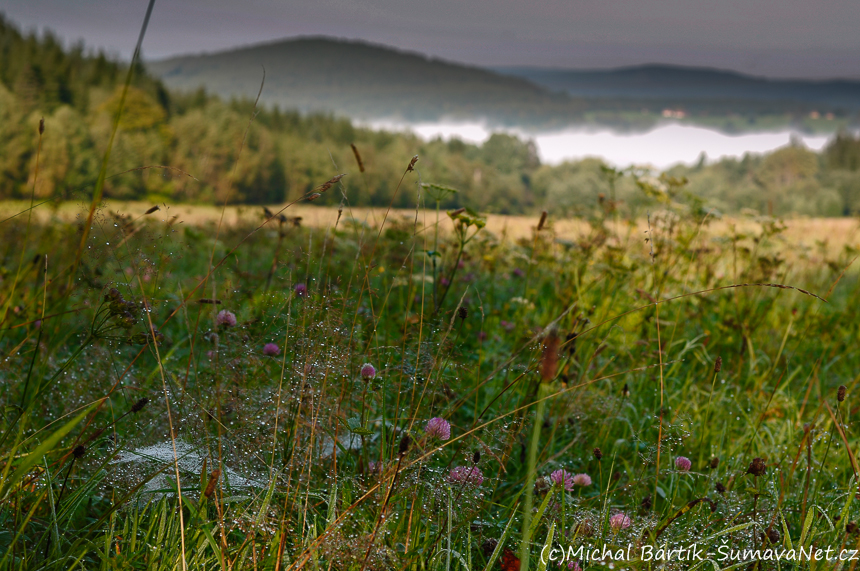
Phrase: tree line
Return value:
(220, 150)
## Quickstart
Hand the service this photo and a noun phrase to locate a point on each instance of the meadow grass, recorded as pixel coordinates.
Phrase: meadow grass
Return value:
(423, 389)
(193, 395)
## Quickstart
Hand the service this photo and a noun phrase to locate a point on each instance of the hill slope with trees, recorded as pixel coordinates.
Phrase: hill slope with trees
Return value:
(288, 153)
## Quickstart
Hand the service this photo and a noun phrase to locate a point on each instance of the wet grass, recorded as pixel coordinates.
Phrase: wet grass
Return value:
(191, 395)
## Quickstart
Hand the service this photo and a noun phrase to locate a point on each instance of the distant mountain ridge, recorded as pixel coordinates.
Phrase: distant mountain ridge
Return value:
(668, 82)
(366, 81)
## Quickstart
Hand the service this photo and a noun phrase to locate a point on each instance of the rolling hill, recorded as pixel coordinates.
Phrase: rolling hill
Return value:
(676, 83)
(372, 82)
(366, 81)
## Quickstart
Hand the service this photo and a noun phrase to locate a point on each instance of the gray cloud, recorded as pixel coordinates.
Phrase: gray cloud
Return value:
(784, 38)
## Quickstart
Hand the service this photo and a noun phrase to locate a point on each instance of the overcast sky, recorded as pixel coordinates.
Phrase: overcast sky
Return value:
(776, 38)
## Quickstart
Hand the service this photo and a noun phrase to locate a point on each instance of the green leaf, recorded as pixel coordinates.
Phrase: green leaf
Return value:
(354, 425)
(786, 534)
(332, 506)
(807, 523)
(539, 515)
(549, 536)
(46, 446)
(437, 191)
(499, 545)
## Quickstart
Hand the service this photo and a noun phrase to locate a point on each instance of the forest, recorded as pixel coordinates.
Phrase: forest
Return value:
(285, 153)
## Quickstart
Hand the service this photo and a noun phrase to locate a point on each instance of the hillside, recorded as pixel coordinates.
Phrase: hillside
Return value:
(365, 81)
(285, 154)
(674, 84)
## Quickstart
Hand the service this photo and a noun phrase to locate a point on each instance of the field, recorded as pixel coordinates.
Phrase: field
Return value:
(423, 389)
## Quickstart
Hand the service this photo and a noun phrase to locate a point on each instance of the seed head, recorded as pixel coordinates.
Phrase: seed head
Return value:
(625, 392)
(715, 461)
(79, 451)
(210, 485)
(462, 312)
(357, 157)
(411, 166)
(585, 528)
(542, 221)
(598, 454)
(405, 443)
(438, 428)
(41, 126)
(718, 365)
(329, 183)
(757, 467)
(773, 535)
(542, 486)
(646, 503)
(489, 546)
(138, 406)
(549, 359)
(127, 320)
(840, 393)
(720, 488)
(476, 457)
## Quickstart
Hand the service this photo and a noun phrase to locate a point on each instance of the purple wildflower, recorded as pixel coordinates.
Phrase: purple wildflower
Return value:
(506, 325)
(368, 371)
(518, 272)
(225, 318)
(582, 480)
(271, 350)
(301, 290)
(619, 521)
(466, 475)
(562, 478)
(683, 463)
(482, 335)
(438, 428)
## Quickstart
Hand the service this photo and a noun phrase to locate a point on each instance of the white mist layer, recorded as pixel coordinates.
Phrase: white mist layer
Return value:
(662, 147)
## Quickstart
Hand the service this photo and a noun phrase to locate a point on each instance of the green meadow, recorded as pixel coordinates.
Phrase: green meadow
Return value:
(621, 376)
